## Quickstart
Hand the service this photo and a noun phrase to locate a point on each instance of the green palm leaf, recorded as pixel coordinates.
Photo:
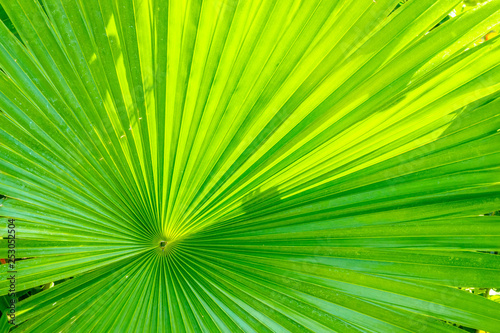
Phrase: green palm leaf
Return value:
(255, 166)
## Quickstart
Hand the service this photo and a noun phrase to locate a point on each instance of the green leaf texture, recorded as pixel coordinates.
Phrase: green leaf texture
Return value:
(251, 165)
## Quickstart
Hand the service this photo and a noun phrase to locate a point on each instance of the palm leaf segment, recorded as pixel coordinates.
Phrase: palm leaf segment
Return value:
(251, 166)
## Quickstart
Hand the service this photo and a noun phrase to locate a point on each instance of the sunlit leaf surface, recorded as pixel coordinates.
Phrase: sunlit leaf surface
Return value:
(251, 166)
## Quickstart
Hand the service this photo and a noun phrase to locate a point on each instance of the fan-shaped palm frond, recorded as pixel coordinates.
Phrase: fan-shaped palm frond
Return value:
(255, 166)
